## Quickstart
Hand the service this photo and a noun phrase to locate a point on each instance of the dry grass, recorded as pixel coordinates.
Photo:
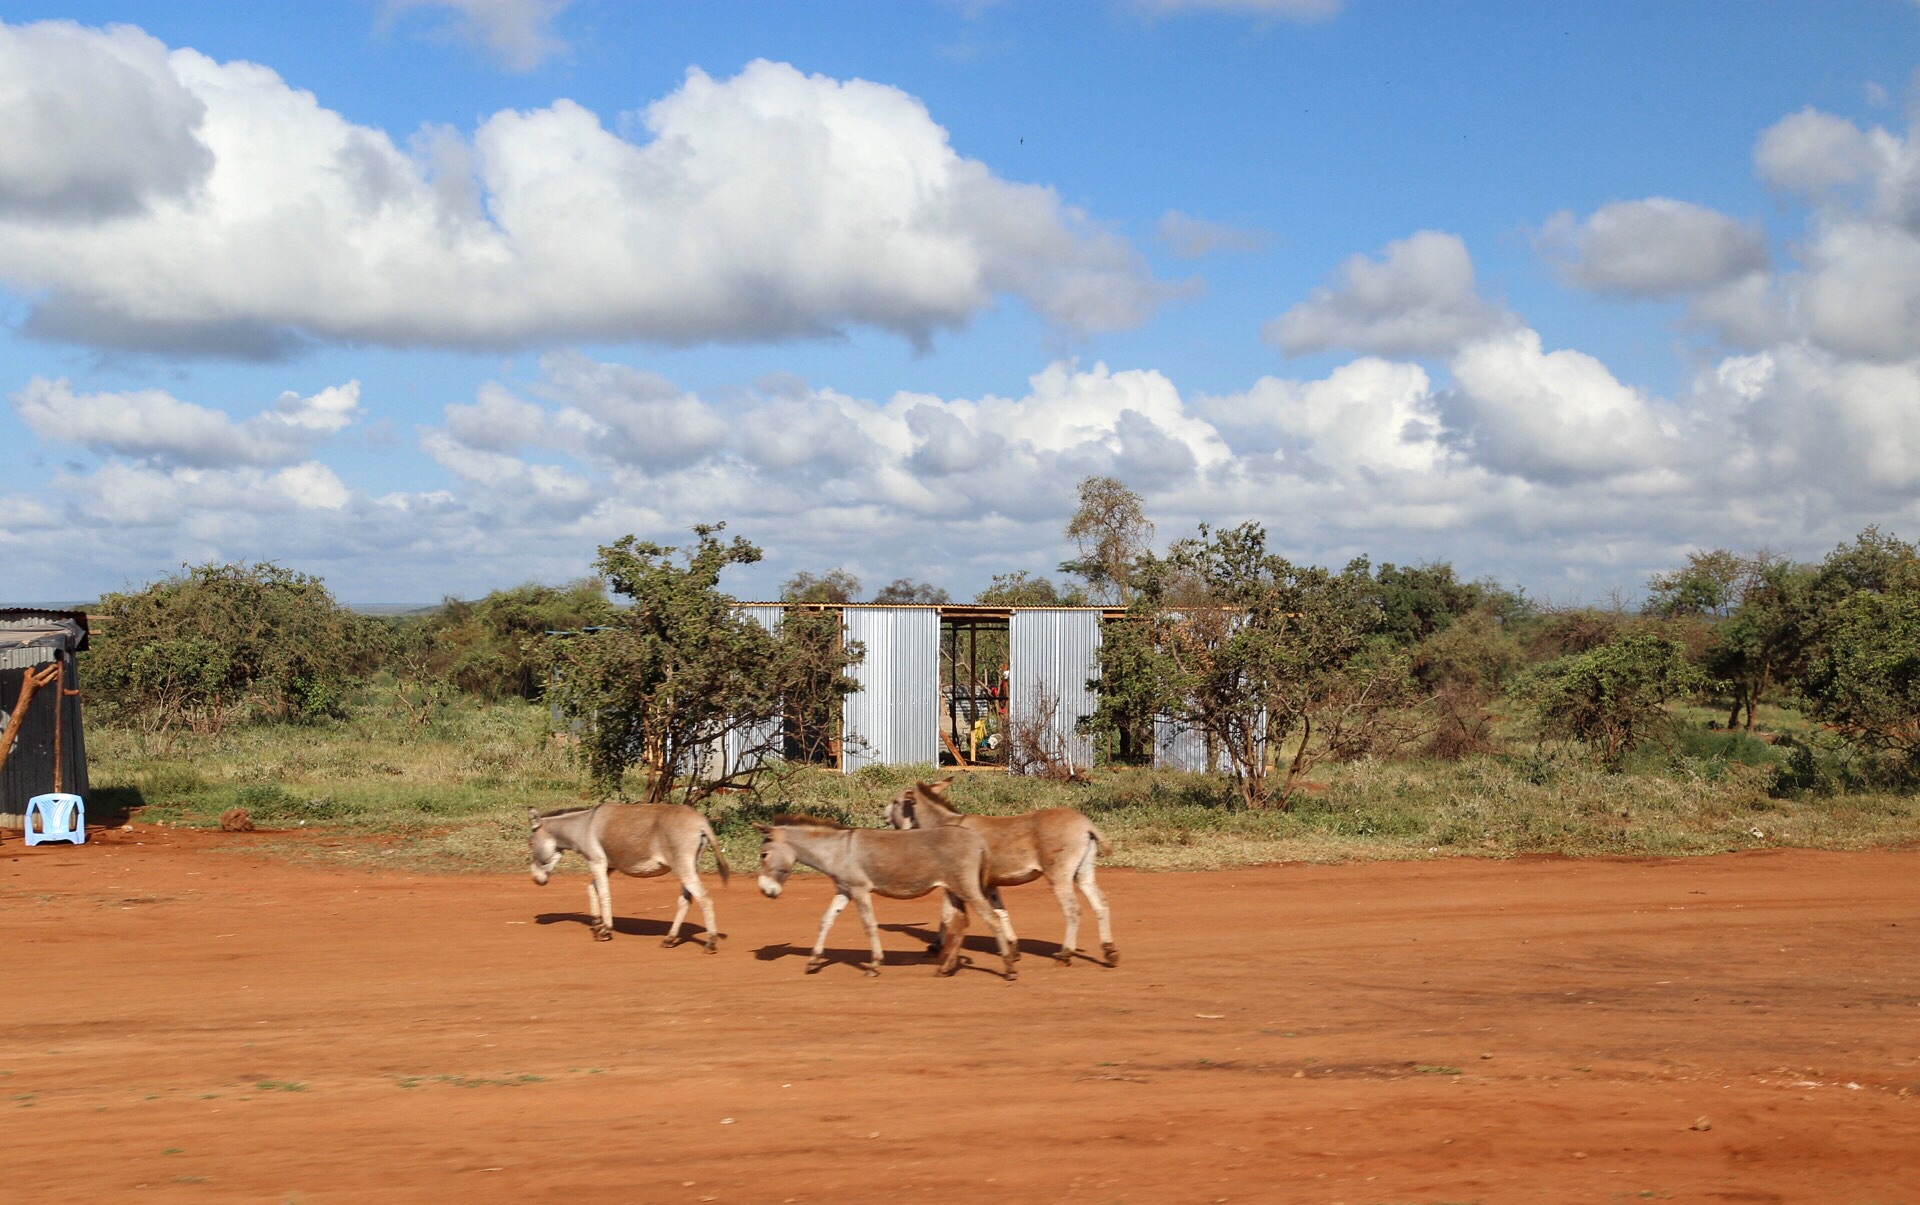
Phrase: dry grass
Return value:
(454, 795)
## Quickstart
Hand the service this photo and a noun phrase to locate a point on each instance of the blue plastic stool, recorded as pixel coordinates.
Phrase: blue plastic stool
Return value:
(62, 818)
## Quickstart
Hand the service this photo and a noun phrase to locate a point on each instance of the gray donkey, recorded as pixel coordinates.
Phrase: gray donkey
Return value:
(863, 862)
(1060, 843)
(640, 839)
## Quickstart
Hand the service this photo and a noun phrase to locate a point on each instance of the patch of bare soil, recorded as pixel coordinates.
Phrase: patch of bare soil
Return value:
(188, 1020)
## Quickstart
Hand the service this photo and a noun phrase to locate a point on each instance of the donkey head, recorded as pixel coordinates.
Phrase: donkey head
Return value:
(908, 810)
(776, 860)
(543, 848)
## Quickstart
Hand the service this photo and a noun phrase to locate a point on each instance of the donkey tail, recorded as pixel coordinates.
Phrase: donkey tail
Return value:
(706, 834)
(1099, 839)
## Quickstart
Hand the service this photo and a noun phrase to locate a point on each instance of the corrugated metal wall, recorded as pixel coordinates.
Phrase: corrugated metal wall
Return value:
(737, 743)
(1178, 747)
(1054, 654)
(894, 718)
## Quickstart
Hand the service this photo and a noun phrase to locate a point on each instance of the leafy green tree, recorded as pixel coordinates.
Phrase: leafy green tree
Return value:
(1860, 625)
(669, 677)
(906, 591)
(497, 647)
(1710, 586)
(1613, 697)
(1863, 677)
(1022, 589)
(1254, 652)
(834, 586)
(197, 648)
(1112, 531)
(1419, 600)
(1763, 642)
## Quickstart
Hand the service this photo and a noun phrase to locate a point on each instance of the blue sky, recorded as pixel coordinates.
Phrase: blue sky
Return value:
(433, 298)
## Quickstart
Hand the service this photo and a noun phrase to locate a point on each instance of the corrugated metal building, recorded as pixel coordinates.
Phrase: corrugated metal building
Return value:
(894, 718)
(31, 640)
(1054, 655)
(740, 743)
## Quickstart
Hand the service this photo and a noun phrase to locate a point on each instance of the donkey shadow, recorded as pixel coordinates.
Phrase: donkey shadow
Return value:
(629, 926)
(978, 942)
(889, 959)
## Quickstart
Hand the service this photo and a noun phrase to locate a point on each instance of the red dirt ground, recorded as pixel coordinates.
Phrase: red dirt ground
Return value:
(189, 1021)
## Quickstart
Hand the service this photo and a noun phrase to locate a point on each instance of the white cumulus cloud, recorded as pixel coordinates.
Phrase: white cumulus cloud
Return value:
(771, 205)
(153, 425)
(1418, 298)
(1658, 247)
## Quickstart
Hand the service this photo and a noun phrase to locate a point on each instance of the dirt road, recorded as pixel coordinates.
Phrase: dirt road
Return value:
(188, 1021)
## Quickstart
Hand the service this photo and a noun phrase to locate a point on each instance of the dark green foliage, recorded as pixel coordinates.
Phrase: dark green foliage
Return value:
(1421, 600)
(1710, 586)
(497, 647)
(835, 586)
(905, 591)
(1863, 674)
(1023, 589)
(1613, 697)
(200, 647)
(671, 675)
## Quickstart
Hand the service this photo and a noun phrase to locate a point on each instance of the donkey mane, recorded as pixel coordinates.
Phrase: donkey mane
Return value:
(566, 811)
(796, 820)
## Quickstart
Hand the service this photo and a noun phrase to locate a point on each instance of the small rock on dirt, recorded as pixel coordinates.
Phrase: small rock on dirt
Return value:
(236, 820)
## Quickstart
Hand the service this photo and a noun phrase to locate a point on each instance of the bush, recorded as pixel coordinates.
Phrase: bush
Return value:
(1613, 697)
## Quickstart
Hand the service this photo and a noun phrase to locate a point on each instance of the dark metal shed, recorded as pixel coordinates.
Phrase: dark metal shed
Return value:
(49, 750)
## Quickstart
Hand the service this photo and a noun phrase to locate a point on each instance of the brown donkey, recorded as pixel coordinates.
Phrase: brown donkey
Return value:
(640, 839)
(1060, 843)
(863, 862)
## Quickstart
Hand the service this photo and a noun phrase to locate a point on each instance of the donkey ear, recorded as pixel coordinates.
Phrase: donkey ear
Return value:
(533, 816)
(765, 830)
(937, 788)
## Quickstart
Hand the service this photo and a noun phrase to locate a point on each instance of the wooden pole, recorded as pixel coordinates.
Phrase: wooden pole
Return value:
(31, 682)
(59, 729)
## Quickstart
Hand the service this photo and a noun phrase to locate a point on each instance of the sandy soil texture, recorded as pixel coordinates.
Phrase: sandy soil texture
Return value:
(189, 1020)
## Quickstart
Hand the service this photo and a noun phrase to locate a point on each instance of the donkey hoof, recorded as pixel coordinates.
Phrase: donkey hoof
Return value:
(1064, 958)
(603, 935)
(713, 947)
(1112, 953)
(814, 964)
(870, 970)
(667, 943)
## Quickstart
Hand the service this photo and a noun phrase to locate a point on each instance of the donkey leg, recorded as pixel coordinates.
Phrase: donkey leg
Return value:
(601, 897)
(1084, 878)
(706, 910)
(819, 958)
(939, 943)
(865, 903)
(672, 938)
(1002, 931)
(1006, 918)
(1070, 908)
(955, 930)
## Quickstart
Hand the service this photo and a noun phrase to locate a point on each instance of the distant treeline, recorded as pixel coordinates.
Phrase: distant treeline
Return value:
(1279, 666)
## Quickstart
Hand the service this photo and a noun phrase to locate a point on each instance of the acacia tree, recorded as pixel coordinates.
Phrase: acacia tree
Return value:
(1112, 531)
(671, 676)
(1253, 652)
